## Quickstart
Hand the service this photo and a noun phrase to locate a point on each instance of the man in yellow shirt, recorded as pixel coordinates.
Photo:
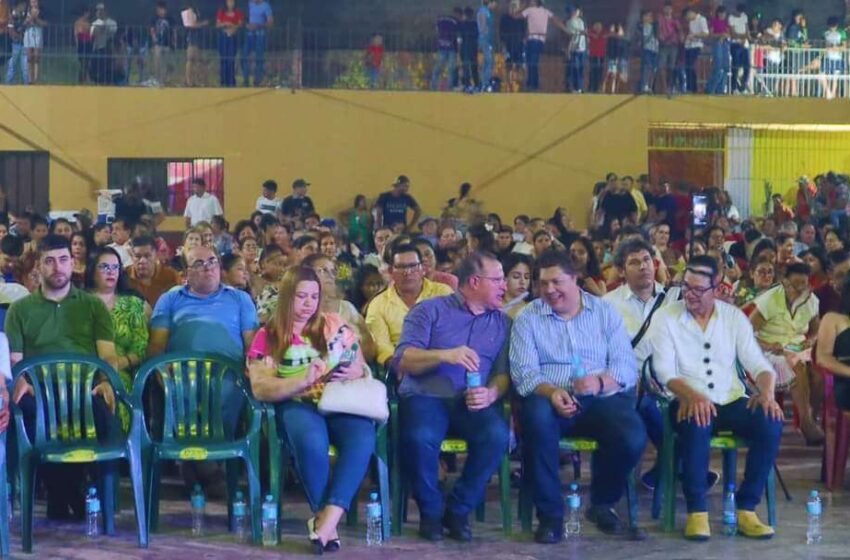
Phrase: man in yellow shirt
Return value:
(386, 312)
(630, 186)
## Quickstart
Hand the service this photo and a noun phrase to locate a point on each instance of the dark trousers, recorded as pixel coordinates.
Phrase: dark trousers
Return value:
(612, 421)
(227, 46)
(740, 66)
(691, 57)
(469, 62)
(575, 71)
(425, 423)
(597, 71)
(762, 434)
(65, 483)
(533, 48)
(652, 419)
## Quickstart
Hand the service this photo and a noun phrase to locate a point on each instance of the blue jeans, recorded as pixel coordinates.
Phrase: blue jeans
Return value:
(691, 57)
(740, 56)
(374, 76)
(309, 435)
(445, 58)
(762, 434)
(720, 70)
(254, 41)
(575, 71)
(612, 421)
(648, 69)
(533, 49)
(19, 54)
(486, 49)
(425, 423)
(227, 59)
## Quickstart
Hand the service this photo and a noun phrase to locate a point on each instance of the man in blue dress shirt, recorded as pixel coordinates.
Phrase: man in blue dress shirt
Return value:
(572, 361)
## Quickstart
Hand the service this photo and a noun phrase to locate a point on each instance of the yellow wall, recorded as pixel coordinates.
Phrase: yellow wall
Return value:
(522, 153)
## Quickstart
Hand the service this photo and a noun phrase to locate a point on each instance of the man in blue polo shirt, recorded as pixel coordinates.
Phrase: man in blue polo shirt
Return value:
(206, 316)
(260, 19)
(443, 340)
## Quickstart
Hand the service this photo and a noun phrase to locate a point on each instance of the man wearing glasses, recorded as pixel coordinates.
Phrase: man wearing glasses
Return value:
(453, 360)
(386, 312)
(573, 364)
(206, 316)
(696, 344)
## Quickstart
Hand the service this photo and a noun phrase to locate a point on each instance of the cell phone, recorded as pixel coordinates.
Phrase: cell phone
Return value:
(700, 212)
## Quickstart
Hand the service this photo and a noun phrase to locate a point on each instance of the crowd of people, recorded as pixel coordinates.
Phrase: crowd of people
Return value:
(668, 46)
(559, 321)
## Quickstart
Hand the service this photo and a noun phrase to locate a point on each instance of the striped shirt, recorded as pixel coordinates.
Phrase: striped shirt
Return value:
(546, 348)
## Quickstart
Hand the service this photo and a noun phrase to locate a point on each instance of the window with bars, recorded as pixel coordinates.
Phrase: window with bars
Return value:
(167, 180)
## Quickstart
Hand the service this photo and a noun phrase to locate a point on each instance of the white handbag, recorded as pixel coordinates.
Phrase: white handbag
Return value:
(365, 397)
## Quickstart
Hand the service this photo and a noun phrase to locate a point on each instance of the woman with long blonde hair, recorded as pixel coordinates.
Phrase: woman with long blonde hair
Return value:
(299, 350)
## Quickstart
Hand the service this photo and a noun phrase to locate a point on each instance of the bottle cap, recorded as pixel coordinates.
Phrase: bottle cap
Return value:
(373, 496)
(197, 488)
(239, 495)
(92, 491)
(269, 498)
(574, 487)
(813, 494)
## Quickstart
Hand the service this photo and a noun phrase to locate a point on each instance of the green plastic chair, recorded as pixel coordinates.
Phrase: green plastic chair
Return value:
(62, 384)
(454, 446)
(575, 445)
(279, 455)
(664, 496)
(193, 428)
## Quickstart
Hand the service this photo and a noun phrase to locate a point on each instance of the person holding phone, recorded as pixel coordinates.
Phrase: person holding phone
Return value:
(291, 359)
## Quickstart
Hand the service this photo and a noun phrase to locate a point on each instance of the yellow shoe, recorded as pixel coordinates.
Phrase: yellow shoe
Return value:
(750, 526)
(697, 527)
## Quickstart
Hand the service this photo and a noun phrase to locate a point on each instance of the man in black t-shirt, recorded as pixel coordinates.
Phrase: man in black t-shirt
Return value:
(392, 206)
(298, 205)
(618, 204)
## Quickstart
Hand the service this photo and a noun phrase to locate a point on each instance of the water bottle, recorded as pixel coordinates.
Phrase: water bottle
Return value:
(92, 514)
(730, 515)
(374, 526)
(199, 504)
(572, 526)
(269, 522)
(240, 518)
(814, 508)
(473, 380)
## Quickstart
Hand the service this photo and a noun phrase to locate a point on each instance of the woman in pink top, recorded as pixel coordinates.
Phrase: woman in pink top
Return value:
(719, 29)
(290, 360)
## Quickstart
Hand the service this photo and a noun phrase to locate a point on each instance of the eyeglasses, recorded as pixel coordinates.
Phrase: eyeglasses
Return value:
(106, 267)
(494, 279)
(696, 289)
(208, 264)
(406, 268)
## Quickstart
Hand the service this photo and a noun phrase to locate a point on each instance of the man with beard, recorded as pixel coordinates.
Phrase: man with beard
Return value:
(61, 318)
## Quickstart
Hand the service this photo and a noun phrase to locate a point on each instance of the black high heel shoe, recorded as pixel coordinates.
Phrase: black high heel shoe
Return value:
(318, 547)
(333, 545)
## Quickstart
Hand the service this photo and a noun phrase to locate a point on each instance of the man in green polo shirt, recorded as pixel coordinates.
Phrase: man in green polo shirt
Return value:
(60, 318)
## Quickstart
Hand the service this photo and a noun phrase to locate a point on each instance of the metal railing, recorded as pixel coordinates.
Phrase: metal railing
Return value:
(293, 56)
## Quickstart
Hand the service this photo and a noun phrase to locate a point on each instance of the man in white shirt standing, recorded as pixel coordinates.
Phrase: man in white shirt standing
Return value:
(201, 206)
(537, 18)
(696, 344)
(697, 31)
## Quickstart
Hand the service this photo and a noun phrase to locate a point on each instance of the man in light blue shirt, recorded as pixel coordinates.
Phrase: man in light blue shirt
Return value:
(486, 36)
(260, 18)
(206, 316)
(572, 362)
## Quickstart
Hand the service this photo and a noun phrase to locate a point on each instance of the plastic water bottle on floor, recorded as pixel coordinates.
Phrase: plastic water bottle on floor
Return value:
(814, 508)
(92, 514)
(199, 504)
(240, 518)
(730, 514)
(572, 525)
(269, 522)
(374, 525)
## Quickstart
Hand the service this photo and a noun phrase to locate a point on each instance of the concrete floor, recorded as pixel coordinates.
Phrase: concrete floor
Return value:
(799, 465)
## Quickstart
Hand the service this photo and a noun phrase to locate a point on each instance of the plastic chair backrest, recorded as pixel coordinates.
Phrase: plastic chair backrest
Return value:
(192, 384)
(63, 384)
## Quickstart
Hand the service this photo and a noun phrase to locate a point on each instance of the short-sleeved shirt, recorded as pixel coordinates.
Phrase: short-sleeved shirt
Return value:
(394, 208)
(234, 18)
(538, 22)
(446, 33)
(163, 31)
(259, 14)
(297, 206)
(446, 322)
(36, 325)
(267, 205)
(214, 323)
(202, 208)
(781, 325)
(618, 205)
(163, 280)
